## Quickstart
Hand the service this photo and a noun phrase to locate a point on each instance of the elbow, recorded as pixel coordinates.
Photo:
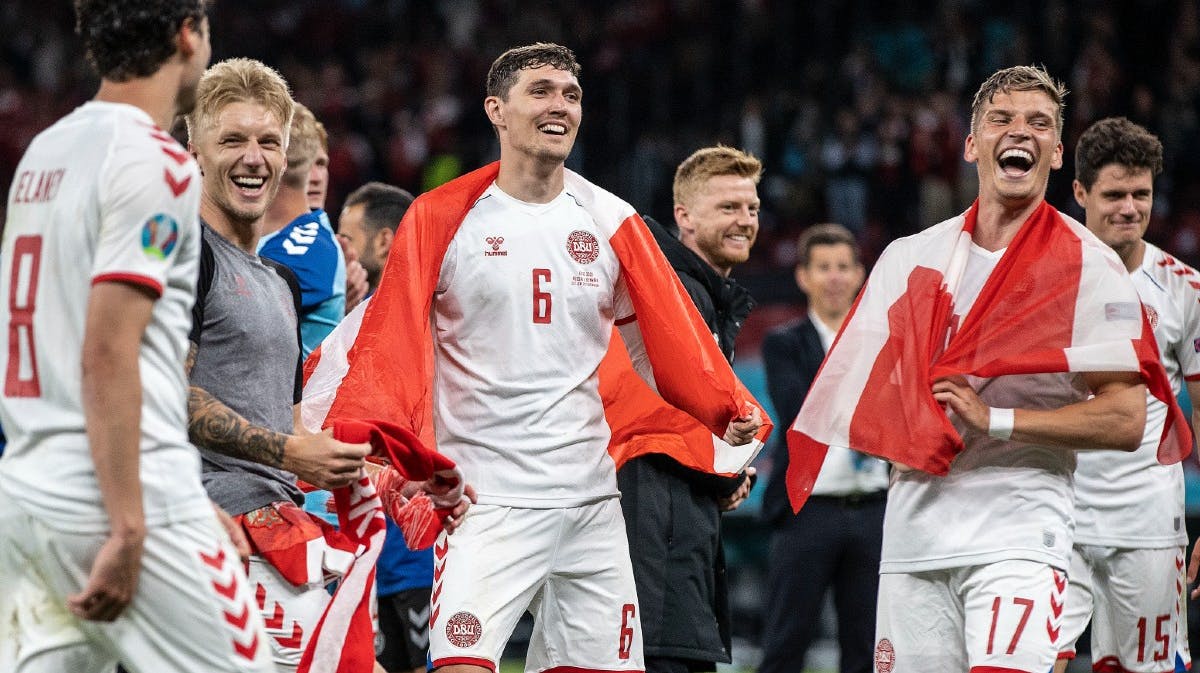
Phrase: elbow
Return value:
(1130, 430)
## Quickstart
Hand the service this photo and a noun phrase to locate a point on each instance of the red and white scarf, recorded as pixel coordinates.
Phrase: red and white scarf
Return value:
(1059, 300)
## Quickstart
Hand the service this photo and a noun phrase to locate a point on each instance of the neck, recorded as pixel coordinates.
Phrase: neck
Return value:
(529, 179)
(288, 204)
(241, 233)
(831, 318)
(155, 94)
(1132, 254)
(997, 223)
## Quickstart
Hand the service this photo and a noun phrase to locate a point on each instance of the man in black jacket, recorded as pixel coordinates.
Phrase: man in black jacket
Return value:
(672, 513)
(834, 542)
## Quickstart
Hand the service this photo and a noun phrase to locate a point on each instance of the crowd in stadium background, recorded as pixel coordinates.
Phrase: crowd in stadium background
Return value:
(858, 109)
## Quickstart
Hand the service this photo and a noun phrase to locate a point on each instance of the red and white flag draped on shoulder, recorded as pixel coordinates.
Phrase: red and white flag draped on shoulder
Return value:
(378, 363)
(1059, 300)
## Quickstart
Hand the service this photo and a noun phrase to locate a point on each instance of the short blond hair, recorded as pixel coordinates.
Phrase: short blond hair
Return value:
(1020, 78)
(708, 162)
(303, 147)
(240, 80)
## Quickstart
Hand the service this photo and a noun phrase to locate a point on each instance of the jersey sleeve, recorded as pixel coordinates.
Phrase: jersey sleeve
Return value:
(1188, 349)
(148, 199)
(312, 257)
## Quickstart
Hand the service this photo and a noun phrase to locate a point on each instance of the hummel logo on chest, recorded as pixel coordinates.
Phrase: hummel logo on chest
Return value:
(494, 242)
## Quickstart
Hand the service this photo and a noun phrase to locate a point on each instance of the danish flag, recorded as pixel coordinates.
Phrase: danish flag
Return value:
(1058, 301)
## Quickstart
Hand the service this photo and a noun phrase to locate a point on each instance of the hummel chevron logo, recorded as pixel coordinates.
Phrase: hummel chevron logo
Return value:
(177, 186)
(239, 621)
(275, 621)
(217, 561)
(1055, 607)
(1060, 581)
(294, 641)
(227, 590)
(248, 650)
(175, 153)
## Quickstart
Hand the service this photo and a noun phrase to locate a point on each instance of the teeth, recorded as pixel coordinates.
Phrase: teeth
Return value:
(249, 183)
(1015, 153)
(553, 128)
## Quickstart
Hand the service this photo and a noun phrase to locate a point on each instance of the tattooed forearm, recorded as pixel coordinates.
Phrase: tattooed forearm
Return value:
(214, 426)
(190, 361)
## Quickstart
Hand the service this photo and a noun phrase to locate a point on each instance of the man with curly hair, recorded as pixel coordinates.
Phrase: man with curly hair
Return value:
(1127, 559)
(110, 551)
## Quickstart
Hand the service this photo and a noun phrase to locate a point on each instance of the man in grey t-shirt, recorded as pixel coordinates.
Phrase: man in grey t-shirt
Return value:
(245, 354)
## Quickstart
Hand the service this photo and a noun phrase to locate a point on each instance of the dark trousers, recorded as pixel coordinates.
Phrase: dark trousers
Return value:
(833, 543)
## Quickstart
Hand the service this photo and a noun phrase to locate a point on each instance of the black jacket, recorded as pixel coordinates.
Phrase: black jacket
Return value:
(671, 511)
(791, 357)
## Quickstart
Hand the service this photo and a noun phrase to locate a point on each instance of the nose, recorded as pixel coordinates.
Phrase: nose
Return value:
(253, 156)
(1127, 207)
(1019, 127)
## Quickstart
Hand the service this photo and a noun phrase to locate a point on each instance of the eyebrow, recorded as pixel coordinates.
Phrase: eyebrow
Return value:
(550, 83)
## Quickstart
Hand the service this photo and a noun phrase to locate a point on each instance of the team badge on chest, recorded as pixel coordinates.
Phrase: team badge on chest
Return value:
(583, 246)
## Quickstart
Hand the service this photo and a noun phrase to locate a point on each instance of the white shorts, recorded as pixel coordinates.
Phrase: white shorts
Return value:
(1000, 617)
(568, 566)
(289, 612)
(192, 610)
(1132, 598)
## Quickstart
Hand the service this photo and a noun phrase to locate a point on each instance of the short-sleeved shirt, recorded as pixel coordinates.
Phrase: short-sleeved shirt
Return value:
(523, 311)
(1002, 500)
(308, 247)
(103, 195)
(247, 354)
(1129, 500)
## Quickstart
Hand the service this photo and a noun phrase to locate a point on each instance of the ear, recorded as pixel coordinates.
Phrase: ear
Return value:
(801, 275)
(494, 107)
(188, 39)
(382, 243)
(1080, 194)
(683, 219)
(1056, 161)
(191, 148)
(969, 149)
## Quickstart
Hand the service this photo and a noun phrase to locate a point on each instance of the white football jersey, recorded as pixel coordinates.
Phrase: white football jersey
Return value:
(1129, 500)
(103, 195)
(525, 305)
(1001, 500)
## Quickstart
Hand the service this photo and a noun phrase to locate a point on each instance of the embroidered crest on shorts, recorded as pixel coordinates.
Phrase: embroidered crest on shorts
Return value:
(463, 629)
(583, 246)
(885, 656)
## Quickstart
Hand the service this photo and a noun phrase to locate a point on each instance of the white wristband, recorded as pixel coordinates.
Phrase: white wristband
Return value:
(1000, 422)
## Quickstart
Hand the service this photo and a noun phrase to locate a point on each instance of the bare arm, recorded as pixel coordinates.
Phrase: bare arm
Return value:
(1114, 418)
(117, 317)
(317, 458)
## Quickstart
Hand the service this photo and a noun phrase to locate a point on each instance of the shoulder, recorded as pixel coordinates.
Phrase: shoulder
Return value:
(1179, 280)
(789, 335)
(606, 208)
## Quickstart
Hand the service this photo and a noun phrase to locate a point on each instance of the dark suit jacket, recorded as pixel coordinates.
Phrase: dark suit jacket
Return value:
(791, 357)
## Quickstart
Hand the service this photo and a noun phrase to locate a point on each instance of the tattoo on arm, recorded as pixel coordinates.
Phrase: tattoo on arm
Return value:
(190, 361)
(214, 426)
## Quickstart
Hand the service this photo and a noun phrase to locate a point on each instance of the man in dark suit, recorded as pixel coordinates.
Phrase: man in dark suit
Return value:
(835, 540)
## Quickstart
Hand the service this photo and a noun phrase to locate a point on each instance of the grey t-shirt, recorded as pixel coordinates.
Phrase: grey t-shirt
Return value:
(247, 357)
